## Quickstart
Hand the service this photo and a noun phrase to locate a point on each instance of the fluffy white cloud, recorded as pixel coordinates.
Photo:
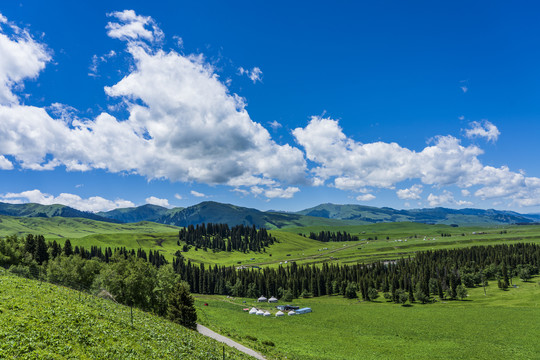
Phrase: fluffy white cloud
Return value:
(22, 58)
(365, 197)
(93, 204)
(5, 164)
(274, 125)
(178, 196)
(353, 166)
(412, 193)
(286, 193)
(254, 74)
(197, 194)
(157, 201)
(132, 27)
(484, 129)
(447, 199)
(183, 124)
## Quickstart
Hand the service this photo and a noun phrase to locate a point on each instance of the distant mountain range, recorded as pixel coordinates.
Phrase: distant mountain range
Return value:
(48, 211)
(324, 214)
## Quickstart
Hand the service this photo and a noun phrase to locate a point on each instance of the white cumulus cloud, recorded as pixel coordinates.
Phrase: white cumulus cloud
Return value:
(5, 164)
(129, 26)
(412, 193)
(277, 192)
(93, 204)
(183, 124)
(197, 194)
(157, 201)
(254, 74)
(22, 58)
(352, 166)
(483, 129)
(365, 197)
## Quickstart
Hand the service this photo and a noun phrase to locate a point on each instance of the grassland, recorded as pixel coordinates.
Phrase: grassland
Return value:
(43, 321)
(404, 239)
(61, 227)
(501, 325)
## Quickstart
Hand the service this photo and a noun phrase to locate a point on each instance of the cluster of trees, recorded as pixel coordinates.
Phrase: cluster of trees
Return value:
(326, 236)
(439, 273)
(222, 238)
(131, 277)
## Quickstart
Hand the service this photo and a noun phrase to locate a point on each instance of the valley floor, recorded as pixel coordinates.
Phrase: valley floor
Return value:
(501, 325)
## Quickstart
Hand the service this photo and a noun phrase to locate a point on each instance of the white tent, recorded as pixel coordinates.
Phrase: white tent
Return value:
(262, 299)
(260, 312)
(280, 313)
(252, 311)
(272, 300)
(267, 313)
(291, 313)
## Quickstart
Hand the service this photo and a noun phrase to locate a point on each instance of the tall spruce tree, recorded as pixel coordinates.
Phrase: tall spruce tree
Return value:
(181, 309)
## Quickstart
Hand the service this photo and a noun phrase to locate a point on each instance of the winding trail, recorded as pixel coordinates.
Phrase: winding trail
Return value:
(214, 335)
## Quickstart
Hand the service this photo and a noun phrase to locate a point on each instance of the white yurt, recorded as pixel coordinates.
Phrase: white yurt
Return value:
(262, 299)
(252, 311)
(260, 312)
(272, 300)
(267, 313)
(280, 313)
(291, 313)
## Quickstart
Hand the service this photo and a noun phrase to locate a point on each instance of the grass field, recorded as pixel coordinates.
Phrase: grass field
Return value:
(404, 239)
(501, 325)
(61, 228)
(44, 321)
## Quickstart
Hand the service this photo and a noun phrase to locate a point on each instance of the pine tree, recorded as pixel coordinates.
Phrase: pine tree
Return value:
(181, 309)
(68, 249)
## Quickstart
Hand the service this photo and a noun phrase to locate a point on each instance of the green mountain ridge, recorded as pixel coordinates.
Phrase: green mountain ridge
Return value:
(322, 215)
(48, 211)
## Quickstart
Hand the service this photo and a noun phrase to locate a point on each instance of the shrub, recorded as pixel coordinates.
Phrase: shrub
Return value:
(268, 343)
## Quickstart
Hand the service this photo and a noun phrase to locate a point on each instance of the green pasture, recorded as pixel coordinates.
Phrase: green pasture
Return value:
(61, 227)
(44, 321)
(404, 239)
(501, 325)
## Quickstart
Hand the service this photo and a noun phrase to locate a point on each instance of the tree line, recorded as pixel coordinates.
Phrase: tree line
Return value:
(129, 277)
(439, 273)
(222, 238)
(326, 236)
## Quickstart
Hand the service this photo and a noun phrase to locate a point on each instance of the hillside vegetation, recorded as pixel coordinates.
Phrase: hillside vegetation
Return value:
(44, 321)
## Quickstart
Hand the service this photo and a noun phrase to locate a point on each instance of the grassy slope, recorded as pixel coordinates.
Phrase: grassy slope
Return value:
(60, 227)
(501, 325)
(43, 321)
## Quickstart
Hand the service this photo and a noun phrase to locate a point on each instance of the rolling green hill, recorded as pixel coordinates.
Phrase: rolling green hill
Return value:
(60, 227)
(44, 321)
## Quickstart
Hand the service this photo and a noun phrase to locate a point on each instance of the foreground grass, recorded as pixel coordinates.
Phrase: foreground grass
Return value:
(43, 321)
(501, 325)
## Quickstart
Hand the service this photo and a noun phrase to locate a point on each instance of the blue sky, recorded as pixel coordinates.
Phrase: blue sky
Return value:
(273, 106)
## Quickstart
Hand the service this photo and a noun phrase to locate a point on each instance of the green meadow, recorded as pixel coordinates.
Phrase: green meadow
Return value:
(393, 240)
(44, 321)
(499, 325)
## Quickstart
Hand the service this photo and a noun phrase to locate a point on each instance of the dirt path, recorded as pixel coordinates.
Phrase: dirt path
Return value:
(214, 335)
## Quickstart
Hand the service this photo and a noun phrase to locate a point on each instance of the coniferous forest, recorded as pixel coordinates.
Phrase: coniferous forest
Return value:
(326, 236)
(221, 237)
(139, 279)
(440, 273)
